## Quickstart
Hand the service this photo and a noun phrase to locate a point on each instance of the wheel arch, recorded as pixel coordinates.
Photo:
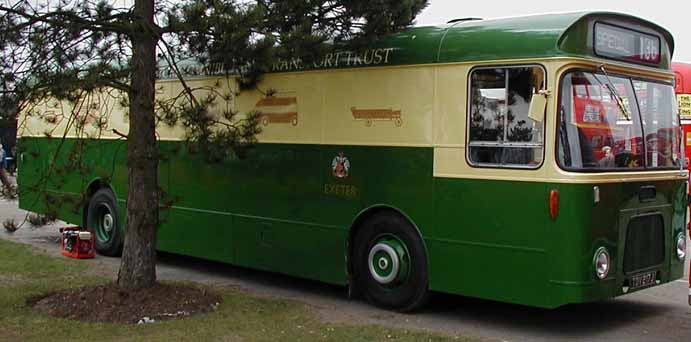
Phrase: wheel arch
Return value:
(361, 218)
(95, 185)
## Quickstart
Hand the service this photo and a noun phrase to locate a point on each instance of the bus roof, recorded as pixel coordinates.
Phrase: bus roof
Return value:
(535, 36)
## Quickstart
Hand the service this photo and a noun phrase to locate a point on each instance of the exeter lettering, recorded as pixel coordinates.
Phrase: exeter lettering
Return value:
(341, 190)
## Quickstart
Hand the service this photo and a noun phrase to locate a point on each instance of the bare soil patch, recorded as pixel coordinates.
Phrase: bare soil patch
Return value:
(10, 279)
(112, 304)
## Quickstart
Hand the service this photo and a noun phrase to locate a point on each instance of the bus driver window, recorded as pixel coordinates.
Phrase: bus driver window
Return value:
(501, 132)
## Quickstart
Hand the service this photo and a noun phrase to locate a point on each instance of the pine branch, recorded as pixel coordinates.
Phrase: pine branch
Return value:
(118, 23)
(173, 64)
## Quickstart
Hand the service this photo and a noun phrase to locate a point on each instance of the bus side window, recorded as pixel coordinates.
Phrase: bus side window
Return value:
(501, 133)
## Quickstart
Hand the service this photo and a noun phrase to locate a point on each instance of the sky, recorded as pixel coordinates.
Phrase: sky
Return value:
(672, 15)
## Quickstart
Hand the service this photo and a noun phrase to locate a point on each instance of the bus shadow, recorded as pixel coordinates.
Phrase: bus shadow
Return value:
(569, 320)
(575, 320)
(219, 273)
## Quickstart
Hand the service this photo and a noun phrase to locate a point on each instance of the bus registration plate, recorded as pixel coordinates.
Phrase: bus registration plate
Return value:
(643, 279)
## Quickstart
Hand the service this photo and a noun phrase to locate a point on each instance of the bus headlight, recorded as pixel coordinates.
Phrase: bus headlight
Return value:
(681, 246)
(601, 263)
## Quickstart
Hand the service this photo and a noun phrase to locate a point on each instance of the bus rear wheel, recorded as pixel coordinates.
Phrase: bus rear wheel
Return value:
(102, 220)
(390, 263)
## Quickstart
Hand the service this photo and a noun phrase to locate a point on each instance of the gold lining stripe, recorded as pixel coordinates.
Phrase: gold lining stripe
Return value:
(284, 142)
(672, 175)
(58, 137)
(349, 143)
(450, 146)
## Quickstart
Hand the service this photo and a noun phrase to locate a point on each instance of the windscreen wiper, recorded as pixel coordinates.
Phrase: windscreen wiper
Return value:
(613, 91)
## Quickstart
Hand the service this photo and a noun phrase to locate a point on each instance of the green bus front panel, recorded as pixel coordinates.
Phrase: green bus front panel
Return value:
(611, 226)
(496, 239)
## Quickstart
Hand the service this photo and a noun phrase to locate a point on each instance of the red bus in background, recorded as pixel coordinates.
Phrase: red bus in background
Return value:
(682, 87)
(590, 116)
(602, 124)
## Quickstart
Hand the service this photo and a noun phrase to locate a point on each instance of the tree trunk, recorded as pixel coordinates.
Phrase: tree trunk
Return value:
(138, 265)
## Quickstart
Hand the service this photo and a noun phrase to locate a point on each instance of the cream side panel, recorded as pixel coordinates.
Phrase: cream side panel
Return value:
(52, 117)
(383, 107)
(42, 119)
(452, 91)
(118, 119)
(169, 89)
(220, 87)
(93, 116)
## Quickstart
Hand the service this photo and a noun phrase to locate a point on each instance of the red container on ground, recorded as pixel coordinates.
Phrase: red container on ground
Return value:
(77, 243)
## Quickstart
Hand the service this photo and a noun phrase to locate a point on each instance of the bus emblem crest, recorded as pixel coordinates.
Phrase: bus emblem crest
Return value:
(340, 166)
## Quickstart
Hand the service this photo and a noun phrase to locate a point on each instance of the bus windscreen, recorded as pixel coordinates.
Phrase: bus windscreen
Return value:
(597, 134)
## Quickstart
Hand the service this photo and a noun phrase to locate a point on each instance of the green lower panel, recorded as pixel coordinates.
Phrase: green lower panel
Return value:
(197, 233)
(490, 240)
(283, 209)
(292, 248)
(502, 273)
(280, 209)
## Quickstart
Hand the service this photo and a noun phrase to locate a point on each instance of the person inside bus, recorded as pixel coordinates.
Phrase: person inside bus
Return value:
(665, 156)
(587, 157)
(608, 160)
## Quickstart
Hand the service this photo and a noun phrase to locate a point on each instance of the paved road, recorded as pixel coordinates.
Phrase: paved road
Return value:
(658, 314)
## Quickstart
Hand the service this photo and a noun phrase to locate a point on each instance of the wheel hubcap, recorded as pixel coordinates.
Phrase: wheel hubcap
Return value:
(104, 222)
(108, 222)
(383, 263)
(388, 261)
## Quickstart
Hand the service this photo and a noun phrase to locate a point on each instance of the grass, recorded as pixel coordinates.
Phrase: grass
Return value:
(25, 273)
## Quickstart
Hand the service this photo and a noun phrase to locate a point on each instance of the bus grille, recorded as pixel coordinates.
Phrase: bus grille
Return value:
(645, 243)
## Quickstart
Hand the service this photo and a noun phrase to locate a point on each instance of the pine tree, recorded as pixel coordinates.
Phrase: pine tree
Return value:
(68, 50)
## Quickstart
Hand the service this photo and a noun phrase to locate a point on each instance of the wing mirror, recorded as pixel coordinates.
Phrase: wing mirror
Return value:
(538, 104)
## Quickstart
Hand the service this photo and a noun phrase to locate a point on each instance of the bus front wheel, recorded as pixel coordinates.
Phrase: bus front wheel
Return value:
(390, 263)
(102, 220)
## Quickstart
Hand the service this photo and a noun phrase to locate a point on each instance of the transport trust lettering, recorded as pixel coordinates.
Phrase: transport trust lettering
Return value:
(338, 59)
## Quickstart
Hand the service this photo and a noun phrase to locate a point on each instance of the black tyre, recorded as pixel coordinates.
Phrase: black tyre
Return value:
(390, 263)
(102, 220)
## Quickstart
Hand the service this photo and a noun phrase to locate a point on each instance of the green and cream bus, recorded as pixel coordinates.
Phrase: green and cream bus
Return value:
(532, 160)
